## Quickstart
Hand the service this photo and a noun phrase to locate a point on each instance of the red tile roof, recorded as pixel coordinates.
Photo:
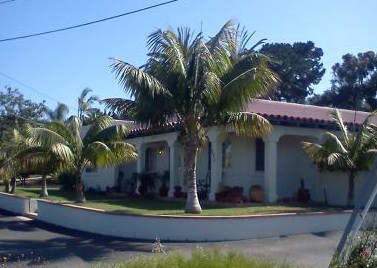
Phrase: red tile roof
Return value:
(300, 112)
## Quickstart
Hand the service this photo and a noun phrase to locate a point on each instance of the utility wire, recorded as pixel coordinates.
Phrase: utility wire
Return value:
(6, 1)
(28, 87)
(87, 23)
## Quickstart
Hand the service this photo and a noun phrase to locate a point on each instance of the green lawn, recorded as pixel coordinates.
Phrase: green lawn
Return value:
(166, 207)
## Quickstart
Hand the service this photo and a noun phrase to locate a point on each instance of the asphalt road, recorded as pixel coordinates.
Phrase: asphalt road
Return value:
(25, 243)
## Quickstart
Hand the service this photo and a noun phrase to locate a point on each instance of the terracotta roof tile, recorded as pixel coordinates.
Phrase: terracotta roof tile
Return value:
(301, 112)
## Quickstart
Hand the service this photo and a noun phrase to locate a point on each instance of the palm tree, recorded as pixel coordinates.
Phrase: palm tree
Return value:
(197, 83)
(10, 163)
(100, 146)
(350, 152)
(60, 113)
(85, 104)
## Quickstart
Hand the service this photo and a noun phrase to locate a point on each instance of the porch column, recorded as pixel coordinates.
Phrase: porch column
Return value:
(216, 164)
(270, 171)
(140, 157)
(172, 166)
(139, 162)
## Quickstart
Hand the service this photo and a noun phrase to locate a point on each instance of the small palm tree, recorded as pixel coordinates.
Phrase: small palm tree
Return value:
(85, 104)
(60, 113)
(10, 163)
(199, 84)
(350, 152)
(100, 146)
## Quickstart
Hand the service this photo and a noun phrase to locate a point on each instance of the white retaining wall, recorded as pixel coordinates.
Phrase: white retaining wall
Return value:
(187, 228)
(14, 204)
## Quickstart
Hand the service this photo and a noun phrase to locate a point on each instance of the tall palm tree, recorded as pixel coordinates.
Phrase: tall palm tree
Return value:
(100, 146)
(197, 83)
(85, 104)
(350, 152)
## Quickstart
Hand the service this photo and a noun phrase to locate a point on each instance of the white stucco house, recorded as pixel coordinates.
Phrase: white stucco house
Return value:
(276, 162)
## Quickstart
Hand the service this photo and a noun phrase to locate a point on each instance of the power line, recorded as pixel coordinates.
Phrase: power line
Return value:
(87, 23)
(6, 1)
(29, 87)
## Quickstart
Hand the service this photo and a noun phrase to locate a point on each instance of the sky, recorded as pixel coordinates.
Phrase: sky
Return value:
(58, 66)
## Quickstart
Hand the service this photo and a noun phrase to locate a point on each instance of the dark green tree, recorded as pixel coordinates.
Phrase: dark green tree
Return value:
(299, 68)
(15, 110)
(354, 85)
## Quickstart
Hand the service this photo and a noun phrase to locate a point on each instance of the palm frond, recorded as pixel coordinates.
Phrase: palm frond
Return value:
(98, 125)
(248, 124)
(133, 79)
(337, 117)
(123, 108)
(249, 79)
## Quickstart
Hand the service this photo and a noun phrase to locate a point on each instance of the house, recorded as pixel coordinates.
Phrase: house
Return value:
(276, 162)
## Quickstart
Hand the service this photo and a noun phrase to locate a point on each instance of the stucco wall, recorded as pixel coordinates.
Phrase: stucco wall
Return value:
(187, 228)
(294, 165)
(101, 178)
(242, 169)
(14, 204)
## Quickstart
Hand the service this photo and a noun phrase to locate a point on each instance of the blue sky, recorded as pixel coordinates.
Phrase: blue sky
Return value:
(59, 66)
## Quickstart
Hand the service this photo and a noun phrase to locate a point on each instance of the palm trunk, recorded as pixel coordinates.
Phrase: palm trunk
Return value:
(192, 202)
(13, 182)
(80, 198)
(351, 189)
(44, 192)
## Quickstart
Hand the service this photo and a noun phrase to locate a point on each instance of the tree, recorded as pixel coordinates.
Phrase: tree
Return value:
(60, 113)
(15, 110)
(350, 152)
(354, 85)
(100, 146)
(11, 165)
(85, 103)
(299, 68)
(199, 84)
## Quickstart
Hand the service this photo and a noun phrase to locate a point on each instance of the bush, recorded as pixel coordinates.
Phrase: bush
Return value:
(67, 180)
(359, 254)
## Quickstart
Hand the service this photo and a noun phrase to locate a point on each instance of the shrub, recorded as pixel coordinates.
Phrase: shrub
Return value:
(67, 180)
(359, 254)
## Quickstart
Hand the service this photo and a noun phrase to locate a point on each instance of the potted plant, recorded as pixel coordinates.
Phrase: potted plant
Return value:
(164, 189)
(146, 183)
(222, 194)
(178, 192)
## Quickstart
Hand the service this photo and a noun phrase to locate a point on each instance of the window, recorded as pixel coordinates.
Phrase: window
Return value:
(259, 155)
(150, 159)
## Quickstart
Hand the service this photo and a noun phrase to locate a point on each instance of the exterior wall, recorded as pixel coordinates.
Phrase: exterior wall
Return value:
(128, 170)
(294, 165)
(14, 204)
(242, 164)
(202, 164)
(187, 228)
(101, 178)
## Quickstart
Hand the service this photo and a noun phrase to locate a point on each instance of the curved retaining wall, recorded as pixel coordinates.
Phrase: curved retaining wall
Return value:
(14, 204)
(176, 228)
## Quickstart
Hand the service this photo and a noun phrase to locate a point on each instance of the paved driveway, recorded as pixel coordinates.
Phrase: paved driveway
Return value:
(25, 242)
